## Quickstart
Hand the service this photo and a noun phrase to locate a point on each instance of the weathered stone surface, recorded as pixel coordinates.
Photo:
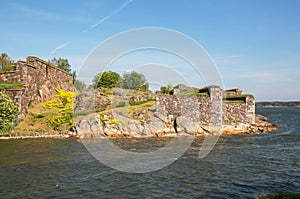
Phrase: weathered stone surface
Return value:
(140, 96)
(184, 115)
(39, 79)
(93, 127)
(207, 109)
(92, 100)
(185, 125)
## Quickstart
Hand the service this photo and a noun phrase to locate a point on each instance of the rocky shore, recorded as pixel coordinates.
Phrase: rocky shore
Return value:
(93, 126)
(184, 111)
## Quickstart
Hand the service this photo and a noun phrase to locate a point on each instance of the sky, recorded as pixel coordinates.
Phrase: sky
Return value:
(254, 44)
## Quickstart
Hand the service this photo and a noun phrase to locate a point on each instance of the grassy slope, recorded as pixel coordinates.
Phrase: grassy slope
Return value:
(35, 122)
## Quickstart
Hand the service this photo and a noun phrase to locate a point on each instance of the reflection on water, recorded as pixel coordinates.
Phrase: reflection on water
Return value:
(240, 166)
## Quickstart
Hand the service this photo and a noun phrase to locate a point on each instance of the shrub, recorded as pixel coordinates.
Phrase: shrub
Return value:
(121, 104)
(8, 112)
(64, 102)
(107, 79)
(104, 119)
(113, 121)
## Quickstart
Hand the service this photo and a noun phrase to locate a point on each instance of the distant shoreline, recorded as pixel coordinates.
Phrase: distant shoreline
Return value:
(278, 104)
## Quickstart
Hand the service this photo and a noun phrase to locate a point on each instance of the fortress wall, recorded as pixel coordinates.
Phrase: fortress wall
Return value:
(39, 79)
(205, 109)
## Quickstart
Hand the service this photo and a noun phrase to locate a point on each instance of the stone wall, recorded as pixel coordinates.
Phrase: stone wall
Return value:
(194, 108)
(206, 110)
(39, 79)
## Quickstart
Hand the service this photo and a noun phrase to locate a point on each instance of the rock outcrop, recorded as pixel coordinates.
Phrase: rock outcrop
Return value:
(93, 126)
(185, 112)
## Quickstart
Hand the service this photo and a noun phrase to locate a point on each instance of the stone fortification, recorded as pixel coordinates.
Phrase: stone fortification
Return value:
(39, 80)
(183, 112)
(205, 109)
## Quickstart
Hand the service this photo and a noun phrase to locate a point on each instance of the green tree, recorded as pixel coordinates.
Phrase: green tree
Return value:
(8, 111)
(107, 79)
(62, 64)
(134, 80)
(6, 61)
(79, 85)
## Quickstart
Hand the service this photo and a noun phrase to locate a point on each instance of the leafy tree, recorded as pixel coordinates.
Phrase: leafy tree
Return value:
(96, 80)
(6, 61)
(134, 80)
(79, 85)
(61, 63)
(107, 79)
(8, 111)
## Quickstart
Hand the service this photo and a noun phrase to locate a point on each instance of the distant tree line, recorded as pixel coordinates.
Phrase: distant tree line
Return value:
(278, 103)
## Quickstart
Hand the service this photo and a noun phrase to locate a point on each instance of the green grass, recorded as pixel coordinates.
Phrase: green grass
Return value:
(236, 98)
(35, 122)
(10, 85)
(11, 67)
(234, 101)
(142, 102)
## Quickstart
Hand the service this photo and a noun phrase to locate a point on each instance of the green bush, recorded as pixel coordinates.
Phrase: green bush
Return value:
(8, 112)
(64, 102)
(121, 104)
(107, 79)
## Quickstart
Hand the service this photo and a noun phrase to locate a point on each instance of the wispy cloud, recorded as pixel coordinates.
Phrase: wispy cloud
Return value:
(36, 12)
(42, 14)
(59, 47)
(113, 13)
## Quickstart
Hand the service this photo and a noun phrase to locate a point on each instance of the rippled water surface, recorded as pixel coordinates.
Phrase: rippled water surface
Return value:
(240, 166)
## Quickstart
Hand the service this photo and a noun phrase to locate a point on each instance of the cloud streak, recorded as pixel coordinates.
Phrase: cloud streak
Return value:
(59, 47)
(113, 13)
(32, 11)
(49, 15)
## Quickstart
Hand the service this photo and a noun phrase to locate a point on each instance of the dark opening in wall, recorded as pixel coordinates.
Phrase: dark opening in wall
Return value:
(47, 68)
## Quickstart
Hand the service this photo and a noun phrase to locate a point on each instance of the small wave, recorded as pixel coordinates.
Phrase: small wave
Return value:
(287, 132)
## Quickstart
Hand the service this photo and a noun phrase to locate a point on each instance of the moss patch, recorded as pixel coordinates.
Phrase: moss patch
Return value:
(10, 85)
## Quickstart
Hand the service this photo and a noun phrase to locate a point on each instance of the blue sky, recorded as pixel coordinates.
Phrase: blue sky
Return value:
(255, 44)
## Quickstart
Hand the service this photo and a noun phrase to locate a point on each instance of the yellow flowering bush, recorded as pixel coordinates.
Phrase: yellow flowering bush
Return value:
(64, 102)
